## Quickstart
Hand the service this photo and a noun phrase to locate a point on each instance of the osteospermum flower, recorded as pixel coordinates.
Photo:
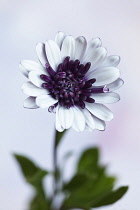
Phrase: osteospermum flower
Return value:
(73, 79)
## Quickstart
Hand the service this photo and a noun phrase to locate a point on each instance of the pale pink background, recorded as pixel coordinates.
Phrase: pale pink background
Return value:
(30, 132)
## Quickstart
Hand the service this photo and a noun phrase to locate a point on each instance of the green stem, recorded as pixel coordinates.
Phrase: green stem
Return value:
(55, 161)
(57, 139)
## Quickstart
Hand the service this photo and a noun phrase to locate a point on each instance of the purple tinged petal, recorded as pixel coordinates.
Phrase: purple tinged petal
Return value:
(47, 86)
(90, 100)
(86, 68)
(81, 104)
(51, 71)
(89, 83)
(60, 67)
(66, 61)
(45, 78)
(97, 90)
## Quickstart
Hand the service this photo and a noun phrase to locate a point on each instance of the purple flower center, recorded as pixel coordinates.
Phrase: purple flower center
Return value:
(69, 85)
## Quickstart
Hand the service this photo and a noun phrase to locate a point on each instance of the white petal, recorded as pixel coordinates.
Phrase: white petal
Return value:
(89, 119)
(57, 122)
(79, 119)
(23, 70)
(112, 60)
(95, 56)
(100, 111)
(32, 66)
(30, 103)
(31, 90)
(34, 77)
(105, 97)
(94, 43)
(87, 128)
(99, 124)
(80, 47)
(66, 117)
(105, 76)
(68, 48)
(60, 36)
(53, 54)
(115, 85)
(45, 101)
(40, 49)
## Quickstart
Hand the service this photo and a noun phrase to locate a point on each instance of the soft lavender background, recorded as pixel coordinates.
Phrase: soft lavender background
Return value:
(30, 132)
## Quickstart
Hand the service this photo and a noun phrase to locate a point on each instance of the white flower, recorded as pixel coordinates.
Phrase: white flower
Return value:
(73, 79)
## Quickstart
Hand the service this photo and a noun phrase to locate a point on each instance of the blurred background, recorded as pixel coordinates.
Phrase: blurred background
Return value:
(30, 132)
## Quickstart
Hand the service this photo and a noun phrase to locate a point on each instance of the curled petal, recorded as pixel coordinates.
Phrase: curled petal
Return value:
(57, 122)
(35, 78)
(68, 48)
(95, 57)
(31, 90)
(99, 124)
(108, 98)
(105, 76)
(66, 117)
(100, 111)
(94, 43)
(112, 60)
(89, 119)
(32, 66)
(60, 36)
(79, 120)
(40, 50)
(45, 101)
(53, 54)
(23, 70)
(30, 103)
(115, 85)
(80, 47)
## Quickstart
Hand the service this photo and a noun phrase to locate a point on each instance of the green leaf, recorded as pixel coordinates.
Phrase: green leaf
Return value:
(77, 181)
(28, 168)
(83, 189)
(110, 197)
(39, 203)
(34, 175)
(37, 178)
(89, 163)
(90, 185)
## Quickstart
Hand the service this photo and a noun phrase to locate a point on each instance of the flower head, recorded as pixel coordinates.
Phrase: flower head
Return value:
(73, 79)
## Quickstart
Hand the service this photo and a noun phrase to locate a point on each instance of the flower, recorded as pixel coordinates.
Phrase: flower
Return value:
(74, 79)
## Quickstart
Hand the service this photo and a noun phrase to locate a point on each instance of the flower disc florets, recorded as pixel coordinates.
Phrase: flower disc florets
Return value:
(69, 85)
